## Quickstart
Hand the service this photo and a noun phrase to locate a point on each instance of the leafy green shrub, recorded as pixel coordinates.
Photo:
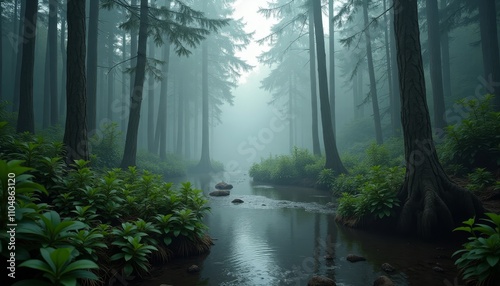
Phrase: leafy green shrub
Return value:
(377, 155)
(377, 195)
(301, 157)
(59, 268)
(171, 167)
(348, 206)
(285, 170)
(474, 143)
(479, 180)
(106, 146)
(347, 184)
(480, 257)
(326, 179)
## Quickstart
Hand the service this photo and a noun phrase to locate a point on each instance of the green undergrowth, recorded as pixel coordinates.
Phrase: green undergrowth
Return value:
(90, 226)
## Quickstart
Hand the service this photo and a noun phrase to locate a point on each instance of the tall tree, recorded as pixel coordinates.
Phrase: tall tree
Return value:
(130, 152)
(1, 51)
(26, 118)
(331, 153)
(46, 89)
(151, 103)
(436, 75)
(445, 53)
(161, 123)
(331, 41)
(314, 96)
(75, 132)
(371, 74)
(489, 44)
(52, 40)
(92, 65)
(431, 203)
(389, 66)
(62, 99)
(19, 44)
(395, 102)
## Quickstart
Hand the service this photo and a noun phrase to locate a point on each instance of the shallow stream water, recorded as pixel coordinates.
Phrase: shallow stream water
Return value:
(280, 235)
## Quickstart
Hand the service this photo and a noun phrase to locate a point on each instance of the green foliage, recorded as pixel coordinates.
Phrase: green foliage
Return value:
(99, 214)
(286, 169)
(377, 155)
(171, 167)
(377, 194)
(348, 206)
(475, 141)
(106, 146)
(480, 257)
(347, 184)
(479, 180)
(326, 179)
(59, 268)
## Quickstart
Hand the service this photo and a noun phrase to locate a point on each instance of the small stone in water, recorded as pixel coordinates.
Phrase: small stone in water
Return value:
(237, 201)
(355, 258)
(387, 267)
(193, 268)
(437, 269)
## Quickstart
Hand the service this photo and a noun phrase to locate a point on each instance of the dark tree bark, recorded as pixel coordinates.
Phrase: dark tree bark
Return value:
(332, 156)
(331, 41)
(46, 89)
(92, 65)
(205, 165)
(19, 44)
(436, 75)
(489, 45)
(133, 51)
(151, 104)
(161, 123)
(1, 53)
(314, 96)
(389, 65)
(75, 132)
(371, 73)
(445, 55)
(431, 204)
(130, 153)
(110, 74)
(124, 87)
(52, 40)
(62, 99)
(26, 118)
(395, 102)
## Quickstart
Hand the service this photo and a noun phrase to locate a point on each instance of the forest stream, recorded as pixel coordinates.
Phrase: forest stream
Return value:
(281, 235)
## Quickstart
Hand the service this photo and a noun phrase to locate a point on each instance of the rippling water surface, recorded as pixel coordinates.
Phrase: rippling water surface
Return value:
(281, 235)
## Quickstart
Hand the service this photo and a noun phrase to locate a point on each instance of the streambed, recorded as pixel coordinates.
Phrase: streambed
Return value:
(280, 235)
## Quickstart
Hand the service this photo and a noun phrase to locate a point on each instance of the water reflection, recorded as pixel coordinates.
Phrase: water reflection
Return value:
(282, 236)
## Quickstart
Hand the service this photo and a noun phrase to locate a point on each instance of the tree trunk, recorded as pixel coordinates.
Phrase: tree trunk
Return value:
(205, 164)
(431, 204)
(151, 104)
(161, 124)
(46, 89)
(26, 119)
(371, 74)
(75, 132)
(52, 40)
(130, 153)
(92, 65)
(396, 104)
(435, 63)
(1, 53)
(123, 104)
(314, 96)
(290, 113)
(389, 65)
(445, 55)
(489, 45)
(332, 156)
(180, 111)
(62, 99)
(133, 52)
(111, 75)
(331, 40)
(18, 45)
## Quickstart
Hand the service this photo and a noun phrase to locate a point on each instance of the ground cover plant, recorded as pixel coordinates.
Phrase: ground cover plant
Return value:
(87, 225)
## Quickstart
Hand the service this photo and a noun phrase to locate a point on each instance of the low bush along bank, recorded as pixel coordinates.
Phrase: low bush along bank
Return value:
(81, 224)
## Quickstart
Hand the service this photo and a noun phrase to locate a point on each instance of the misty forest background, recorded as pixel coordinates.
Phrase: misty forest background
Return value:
(393, 106)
